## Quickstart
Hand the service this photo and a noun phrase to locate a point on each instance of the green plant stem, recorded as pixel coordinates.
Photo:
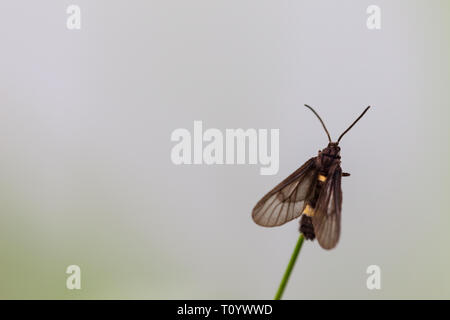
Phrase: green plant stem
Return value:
(289, 268)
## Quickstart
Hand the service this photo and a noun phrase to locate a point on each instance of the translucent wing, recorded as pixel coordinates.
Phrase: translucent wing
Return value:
(327, 214)
(285, 202)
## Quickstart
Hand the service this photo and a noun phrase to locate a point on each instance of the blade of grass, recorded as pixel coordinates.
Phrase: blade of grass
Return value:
(289, 268)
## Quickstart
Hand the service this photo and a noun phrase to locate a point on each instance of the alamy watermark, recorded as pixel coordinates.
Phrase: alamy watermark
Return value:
(73, 21)
(74, 280)
(374, 279)
(374, 19)
(234, 146)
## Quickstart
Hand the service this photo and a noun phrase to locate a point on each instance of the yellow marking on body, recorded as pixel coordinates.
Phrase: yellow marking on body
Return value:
(309, 211)
(321, 178)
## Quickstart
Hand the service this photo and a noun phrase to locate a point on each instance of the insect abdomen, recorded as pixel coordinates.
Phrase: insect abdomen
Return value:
(306, 227)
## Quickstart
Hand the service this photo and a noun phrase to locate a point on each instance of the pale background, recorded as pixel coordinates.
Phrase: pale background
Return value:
(85, 124)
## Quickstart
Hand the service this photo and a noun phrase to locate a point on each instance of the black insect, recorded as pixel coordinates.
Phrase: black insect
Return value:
(313, 190)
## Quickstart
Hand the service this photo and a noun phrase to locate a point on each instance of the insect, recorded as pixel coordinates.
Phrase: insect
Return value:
(313, 192)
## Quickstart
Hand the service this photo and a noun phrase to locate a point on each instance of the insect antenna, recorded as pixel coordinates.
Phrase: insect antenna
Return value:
(323, 124)
(354, 122)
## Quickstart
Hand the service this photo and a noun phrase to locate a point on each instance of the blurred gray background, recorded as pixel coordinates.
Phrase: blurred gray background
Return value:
(85, 123)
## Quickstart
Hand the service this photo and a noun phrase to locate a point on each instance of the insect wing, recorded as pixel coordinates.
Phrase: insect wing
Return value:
(285, 202)
(327, 216)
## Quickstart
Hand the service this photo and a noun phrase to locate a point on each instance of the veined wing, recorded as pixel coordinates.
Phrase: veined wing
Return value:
(285, 202)
(327, 214)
